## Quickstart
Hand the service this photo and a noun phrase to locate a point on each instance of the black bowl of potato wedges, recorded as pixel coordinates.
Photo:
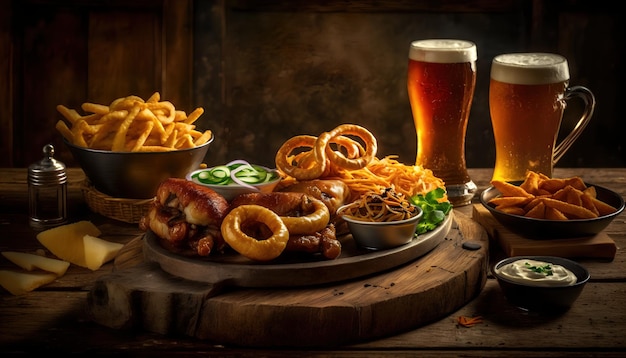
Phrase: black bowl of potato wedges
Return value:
(549, 208)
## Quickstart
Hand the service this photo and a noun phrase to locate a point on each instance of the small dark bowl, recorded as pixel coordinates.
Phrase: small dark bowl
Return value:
(543, 299)
(136, 175)
(553, 229)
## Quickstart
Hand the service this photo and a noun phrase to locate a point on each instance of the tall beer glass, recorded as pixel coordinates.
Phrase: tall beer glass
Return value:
(527, 99)
(441, 83)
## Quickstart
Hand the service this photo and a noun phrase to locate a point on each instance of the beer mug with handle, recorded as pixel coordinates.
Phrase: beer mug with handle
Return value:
(441, 83)
(528, 93)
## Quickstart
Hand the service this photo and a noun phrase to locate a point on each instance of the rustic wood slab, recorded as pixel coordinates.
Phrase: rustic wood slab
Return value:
(596, 246)
(138, 294)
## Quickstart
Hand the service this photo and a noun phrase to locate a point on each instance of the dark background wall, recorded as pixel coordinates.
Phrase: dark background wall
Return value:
(265, 71)
(298, 70)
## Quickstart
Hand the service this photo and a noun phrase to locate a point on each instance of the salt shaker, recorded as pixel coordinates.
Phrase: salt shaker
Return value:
(47, 191)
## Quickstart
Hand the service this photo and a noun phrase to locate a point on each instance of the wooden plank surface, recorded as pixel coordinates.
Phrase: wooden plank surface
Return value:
(585, 330)
(6, 91)
(73, 52)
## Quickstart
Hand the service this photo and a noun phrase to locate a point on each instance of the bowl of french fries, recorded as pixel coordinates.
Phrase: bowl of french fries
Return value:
(127, 148)
(543, 208)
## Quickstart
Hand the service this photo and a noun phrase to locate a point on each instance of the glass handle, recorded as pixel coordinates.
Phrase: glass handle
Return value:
(590, 104)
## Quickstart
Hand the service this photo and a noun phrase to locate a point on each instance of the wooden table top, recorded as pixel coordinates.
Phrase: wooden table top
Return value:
(52, 318)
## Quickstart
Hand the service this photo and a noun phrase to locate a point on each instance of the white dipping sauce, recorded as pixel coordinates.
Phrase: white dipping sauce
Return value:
(520, 271)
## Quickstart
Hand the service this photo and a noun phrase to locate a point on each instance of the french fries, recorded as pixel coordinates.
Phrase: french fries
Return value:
(130, 124)
(541, 197)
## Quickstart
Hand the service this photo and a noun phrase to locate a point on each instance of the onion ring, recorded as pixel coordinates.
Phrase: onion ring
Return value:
(258, 250)
(327, 153)
(352, 148)
(301, 213)
(339, 159)
(285, 160)
(313, 222)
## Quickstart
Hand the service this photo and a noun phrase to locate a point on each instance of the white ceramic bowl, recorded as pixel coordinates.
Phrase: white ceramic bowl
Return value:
(382, 235)
(232, 189)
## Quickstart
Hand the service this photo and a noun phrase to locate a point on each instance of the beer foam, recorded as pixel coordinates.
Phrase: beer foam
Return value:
(443, 51)
(530, 68)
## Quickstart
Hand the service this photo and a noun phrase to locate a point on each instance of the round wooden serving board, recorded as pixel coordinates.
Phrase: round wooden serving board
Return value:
(366, 300)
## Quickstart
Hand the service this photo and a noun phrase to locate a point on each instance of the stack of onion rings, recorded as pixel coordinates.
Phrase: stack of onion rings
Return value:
(306, 157)
(283, 213)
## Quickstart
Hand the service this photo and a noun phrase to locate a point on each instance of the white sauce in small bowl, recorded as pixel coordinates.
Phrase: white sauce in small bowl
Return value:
(525, 271)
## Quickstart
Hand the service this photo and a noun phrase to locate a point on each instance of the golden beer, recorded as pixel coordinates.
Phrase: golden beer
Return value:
(441, 83)
(527, 98)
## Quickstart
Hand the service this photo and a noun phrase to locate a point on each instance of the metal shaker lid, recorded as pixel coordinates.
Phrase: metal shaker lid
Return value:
(48, 170)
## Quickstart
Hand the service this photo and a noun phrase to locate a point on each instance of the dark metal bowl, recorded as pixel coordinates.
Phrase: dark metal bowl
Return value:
(552, 229)
(543, 299)
(382, 235)
(136, 175)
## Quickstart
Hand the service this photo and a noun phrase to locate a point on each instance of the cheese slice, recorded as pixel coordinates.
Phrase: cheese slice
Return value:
(29, 262)
(20, 283)
(99, 251)
(66, 241)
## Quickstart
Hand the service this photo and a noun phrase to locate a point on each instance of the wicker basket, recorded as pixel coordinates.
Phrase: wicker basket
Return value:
(126, 210)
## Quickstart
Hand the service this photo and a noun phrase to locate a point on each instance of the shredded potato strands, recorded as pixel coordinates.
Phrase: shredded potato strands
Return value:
(379, 174)
(384, 206)
(130, 124)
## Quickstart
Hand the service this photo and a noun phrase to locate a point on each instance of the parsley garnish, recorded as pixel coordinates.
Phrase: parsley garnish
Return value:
(545, 269)
(434, 211)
